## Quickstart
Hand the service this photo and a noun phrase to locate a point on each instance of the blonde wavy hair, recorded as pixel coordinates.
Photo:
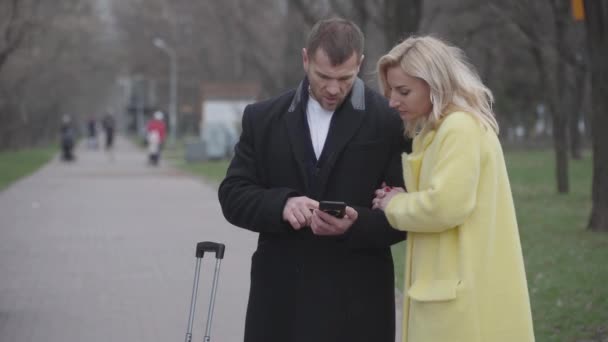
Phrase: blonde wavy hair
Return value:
(454, 84)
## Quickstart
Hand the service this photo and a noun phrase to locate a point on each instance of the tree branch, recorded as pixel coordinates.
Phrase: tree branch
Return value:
(15, 32)
(309, 18)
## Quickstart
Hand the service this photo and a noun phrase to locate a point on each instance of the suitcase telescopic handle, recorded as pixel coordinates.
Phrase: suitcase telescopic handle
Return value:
(208, 246)
(201, 248)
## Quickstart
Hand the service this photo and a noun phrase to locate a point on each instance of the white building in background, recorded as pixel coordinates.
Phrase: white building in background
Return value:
(222, 106)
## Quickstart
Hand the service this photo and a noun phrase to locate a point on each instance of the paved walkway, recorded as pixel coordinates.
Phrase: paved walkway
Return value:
(103, 250)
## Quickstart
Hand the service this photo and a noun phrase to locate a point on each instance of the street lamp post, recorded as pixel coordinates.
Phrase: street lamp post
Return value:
(159, 43)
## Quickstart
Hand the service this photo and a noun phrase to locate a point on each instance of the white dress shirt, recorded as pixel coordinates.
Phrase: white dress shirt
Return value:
(318, 123)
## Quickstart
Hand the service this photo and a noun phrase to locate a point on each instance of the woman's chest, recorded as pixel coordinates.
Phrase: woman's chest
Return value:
(420, 166)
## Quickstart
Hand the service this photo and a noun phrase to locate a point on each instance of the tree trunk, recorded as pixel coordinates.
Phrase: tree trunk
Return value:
(575, 134)
(575, 137)
(558, 119)
(560, 143)
(12, 32)
(298, 23)
(560, 114)
(576, 108)
(597, 43)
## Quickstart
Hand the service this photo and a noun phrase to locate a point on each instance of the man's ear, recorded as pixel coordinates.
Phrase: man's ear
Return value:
(305, 59)
(361, 61)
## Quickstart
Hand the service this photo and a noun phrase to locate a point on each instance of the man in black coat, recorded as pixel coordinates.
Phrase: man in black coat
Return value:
(315, 277)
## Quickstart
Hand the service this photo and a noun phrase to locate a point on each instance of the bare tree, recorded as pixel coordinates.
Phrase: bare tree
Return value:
(402, 18)
(546, 37)
(561, 13)
(261, 41)
(15, 22)
(62, 65)
(597, 40)
(581, 75)
(298, 20)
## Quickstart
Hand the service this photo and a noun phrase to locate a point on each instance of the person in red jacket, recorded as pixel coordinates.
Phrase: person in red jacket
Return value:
(156, 134)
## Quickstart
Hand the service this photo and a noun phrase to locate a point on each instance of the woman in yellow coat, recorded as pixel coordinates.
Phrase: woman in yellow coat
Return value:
(464, 272)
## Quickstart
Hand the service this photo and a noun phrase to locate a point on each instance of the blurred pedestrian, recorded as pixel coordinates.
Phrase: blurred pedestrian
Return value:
(108, 127)
(155, 137)
(68, 138)
(92, 133)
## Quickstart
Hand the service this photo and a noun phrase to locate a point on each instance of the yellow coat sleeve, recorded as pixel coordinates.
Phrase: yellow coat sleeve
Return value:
(448, 196)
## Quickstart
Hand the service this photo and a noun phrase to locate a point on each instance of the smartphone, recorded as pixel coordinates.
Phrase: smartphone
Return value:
(336, 209)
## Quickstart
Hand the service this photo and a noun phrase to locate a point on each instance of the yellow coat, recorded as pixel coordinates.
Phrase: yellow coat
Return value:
(464, 271)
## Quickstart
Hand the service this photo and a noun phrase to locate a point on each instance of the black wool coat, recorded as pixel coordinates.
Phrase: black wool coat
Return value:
(306, 287)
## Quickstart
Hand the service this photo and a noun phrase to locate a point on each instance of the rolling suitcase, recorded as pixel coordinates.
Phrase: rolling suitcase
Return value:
(201, 248)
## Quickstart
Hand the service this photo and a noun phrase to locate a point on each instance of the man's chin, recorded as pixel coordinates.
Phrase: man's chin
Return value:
(330, 105)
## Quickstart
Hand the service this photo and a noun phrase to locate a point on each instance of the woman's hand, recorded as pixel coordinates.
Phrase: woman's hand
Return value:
(384, 195)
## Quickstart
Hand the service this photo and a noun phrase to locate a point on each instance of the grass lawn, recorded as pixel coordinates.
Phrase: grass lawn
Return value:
(213, 170)
(565, 264)
(20, 163)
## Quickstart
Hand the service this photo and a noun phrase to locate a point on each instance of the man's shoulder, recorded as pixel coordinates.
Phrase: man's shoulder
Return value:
(374, 94)
(376, 100)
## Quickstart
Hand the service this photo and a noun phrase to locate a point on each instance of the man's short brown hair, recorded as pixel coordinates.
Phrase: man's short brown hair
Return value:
(337, 37)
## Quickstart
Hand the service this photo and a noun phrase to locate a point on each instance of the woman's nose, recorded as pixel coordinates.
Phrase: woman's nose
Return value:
(393, 103)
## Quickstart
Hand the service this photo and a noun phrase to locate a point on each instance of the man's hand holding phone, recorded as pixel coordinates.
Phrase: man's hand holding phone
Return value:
(332, 218)
(298, 211)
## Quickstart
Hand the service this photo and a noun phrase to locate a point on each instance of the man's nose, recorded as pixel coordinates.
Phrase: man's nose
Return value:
(333, 88)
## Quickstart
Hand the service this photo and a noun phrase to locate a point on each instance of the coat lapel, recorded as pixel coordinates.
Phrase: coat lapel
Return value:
(412, 162)
(296, 127)
(345, 124)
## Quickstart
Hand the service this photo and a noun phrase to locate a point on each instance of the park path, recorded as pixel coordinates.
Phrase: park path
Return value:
(102, 249)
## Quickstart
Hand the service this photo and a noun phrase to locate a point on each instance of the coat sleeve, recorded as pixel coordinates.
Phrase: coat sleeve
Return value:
(372, 229)
(452, 194)
(245, 201)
